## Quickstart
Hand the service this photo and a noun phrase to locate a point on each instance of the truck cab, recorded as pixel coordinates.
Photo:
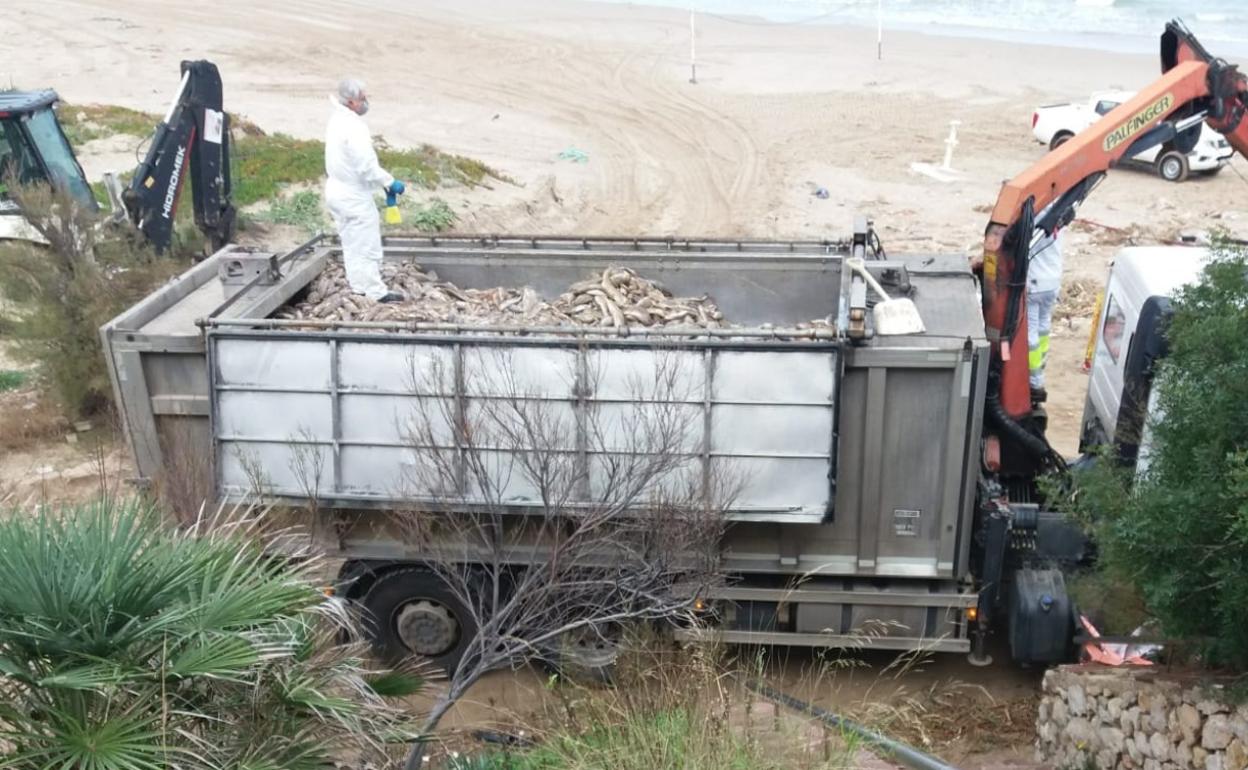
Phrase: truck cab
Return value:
(33, 149)
(1128, 338)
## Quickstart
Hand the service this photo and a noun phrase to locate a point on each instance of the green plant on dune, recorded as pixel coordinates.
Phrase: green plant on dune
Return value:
(432, 217)
(12, 379)
(126, 644)
(302, 210)
(85, 122)
(264, 164)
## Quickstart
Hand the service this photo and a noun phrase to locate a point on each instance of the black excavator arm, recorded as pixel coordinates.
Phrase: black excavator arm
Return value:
(194, 135)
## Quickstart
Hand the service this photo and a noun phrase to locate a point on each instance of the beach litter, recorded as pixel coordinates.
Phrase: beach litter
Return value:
(574, 155)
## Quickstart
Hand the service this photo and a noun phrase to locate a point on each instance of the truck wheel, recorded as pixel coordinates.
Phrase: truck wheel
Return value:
(412, 612)
(1060, 138)
(1172, 166)
(587, 656)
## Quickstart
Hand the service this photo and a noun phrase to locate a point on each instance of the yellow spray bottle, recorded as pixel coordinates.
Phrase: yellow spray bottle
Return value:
(392, 214)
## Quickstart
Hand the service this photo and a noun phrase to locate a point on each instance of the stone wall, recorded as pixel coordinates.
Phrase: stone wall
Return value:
(1111, 718)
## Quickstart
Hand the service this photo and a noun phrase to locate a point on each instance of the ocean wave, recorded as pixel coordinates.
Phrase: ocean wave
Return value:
(1133, 24)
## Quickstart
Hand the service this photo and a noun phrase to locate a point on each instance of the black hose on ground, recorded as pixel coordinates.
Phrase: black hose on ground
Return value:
(906, 755)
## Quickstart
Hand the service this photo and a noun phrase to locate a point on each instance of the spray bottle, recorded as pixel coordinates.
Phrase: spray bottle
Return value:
(392, 214)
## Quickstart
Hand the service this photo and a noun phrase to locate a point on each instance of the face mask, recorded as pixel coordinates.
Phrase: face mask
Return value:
(361, 107)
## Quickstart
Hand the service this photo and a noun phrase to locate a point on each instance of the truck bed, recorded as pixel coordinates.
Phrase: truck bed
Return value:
(866, 440)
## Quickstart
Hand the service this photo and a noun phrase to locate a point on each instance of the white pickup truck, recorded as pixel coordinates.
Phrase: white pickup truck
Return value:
(1055, 123)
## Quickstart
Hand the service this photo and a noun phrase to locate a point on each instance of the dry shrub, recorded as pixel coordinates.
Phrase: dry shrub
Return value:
(185, 483)
(61, 293)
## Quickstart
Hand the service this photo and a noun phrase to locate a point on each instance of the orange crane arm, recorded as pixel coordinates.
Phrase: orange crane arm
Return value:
(1194, 88)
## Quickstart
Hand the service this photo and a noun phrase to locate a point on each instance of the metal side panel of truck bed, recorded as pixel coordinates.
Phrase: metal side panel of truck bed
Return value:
(376, 415)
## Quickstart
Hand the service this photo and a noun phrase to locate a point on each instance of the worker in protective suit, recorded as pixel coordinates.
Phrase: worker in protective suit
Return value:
(354, 176)
(1044, 285)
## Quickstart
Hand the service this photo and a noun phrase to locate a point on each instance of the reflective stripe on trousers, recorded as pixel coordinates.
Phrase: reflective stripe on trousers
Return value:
(1039, 324)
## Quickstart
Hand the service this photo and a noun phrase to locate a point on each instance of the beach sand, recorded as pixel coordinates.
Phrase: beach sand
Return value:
(777, 109)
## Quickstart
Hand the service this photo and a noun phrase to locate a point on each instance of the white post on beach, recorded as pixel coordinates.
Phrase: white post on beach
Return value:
(950, 143)
(879, 30)
(693, 47)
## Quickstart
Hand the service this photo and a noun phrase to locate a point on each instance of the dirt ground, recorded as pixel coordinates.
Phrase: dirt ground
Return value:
(973, 718)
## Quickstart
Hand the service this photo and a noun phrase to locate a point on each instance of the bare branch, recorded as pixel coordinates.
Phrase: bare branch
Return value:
(561, 507)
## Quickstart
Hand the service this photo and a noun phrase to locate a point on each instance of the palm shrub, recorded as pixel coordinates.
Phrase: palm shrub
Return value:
(127, 644)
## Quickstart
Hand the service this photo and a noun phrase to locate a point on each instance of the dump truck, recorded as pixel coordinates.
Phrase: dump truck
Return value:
(888, 480)
(860, 453)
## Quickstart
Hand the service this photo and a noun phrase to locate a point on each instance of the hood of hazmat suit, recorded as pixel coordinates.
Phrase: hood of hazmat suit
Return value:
(354, 177)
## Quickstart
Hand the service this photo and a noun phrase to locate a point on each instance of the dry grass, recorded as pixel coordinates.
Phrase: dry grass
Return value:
(670, 708)
(1078, 300)
(185, 484)
(698, 699)
(28, 417)
(970, 721)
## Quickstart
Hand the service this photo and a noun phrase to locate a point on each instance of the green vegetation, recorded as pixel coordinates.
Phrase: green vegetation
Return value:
(1180, 531)
(1113, 604)
(85, 122)
(432, 217)
(129, 644)
(11, 379)
(664, 740)
(265, 164)
(303, 210)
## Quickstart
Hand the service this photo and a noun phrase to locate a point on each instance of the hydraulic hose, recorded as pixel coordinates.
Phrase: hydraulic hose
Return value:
(1001, 420)
(906, 755)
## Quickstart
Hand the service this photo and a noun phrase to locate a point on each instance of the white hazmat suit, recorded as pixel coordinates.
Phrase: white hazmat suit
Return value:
(354, 176)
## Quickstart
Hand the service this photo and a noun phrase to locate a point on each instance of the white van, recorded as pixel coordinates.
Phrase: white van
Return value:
(1128, 340)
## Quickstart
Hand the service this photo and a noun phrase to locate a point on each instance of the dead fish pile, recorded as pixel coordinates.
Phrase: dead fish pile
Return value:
(619, 297)
(616, 298)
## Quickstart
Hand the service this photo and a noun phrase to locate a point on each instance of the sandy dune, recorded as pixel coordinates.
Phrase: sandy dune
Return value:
(777, 110)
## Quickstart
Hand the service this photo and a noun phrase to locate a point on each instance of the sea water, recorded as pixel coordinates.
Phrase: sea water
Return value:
(1120, 25)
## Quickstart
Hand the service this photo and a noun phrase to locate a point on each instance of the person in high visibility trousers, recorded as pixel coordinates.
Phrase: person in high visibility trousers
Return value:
(1044, 286)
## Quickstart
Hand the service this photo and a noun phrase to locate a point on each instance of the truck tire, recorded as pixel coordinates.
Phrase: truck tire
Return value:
(1060, 138)
(1172, 166)
(411, 611)
(588, 657)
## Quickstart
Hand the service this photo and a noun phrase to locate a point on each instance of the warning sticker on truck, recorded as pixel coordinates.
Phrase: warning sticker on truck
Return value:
(906, 523)
(214, 126)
